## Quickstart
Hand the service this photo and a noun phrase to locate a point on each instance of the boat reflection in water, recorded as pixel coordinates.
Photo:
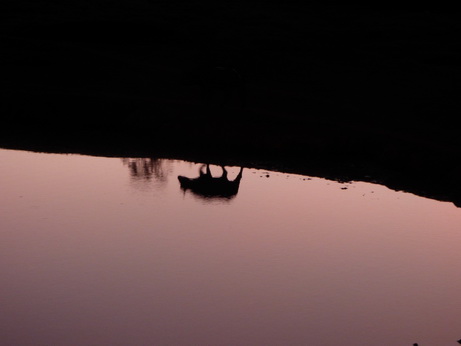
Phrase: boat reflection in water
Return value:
(207, 186)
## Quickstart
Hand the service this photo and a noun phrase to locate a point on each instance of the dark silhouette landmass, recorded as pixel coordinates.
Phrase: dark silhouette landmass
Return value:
(342, 92)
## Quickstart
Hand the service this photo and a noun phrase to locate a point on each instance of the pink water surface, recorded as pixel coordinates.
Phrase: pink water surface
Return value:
(93, 253)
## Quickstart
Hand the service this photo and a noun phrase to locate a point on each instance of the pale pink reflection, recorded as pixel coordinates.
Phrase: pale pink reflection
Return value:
(92, 255)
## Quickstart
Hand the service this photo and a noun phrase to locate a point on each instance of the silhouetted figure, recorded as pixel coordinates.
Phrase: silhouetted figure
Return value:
(205, 185)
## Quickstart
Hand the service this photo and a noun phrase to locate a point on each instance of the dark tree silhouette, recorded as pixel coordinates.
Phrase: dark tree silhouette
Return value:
(146, 168)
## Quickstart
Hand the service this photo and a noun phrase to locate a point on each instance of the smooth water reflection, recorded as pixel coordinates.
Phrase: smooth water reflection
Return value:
(104, 251)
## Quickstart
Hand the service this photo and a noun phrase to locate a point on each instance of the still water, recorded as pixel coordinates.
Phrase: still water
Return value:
(110, 251)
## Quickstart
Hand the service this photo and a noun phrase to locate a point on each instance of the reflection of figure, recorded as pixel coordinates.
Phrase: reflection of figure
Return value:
(208, 186)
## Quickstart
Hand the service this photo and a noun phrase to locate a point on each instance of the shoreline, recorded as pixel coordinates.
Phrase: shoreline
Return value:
(318, 148)
(348, 93)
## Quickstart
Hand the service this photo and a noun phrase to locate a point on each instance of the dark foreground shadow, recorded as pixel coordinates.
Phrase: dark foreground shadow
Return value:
(207, 186)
